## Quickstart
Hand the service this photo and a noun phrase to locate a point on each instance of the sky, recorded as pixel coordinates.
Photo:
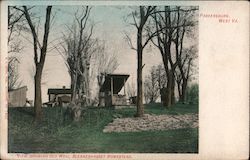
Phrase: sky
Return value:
(111, 24)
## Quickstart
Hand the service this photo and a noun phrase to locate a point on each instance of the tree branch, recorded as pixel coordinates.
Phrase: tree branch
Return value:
(46, 35)
(130, 42)
(33, 31)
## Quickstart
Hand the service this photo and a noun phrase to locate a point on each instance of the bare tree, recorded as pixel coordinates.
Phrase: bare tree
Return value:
(178, 79)
(164, 39)
(140, 19)
(184, 71)
(15, 25)
(161, 76)
(39, 59)
(151, 86)
(186, 55)
(78, 49)
(106, 64)
(169, 24)
(13, 76)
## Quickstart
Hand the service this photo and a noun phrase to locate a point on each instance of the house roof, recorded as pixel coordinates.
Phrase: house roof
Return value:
(24, 87)
(59, 91)
(118, 82)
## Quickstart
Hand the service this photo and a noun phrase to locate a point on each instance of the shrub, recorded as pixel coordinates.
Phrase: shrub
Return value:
(193, 94)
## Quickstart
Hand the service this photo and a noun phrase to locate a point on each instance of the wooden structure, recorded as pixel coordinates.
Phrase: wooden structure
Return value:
(57, 96)
(17, 97)
(132, 100)
(109, 93)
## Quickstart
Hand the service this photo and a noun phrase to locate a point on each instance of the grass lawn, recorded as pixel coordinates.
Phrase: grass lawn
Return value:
(55, 136)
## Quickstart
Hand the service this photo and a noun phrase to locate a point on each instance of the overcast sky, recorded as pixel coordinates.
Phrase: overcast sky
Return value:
(110, 25)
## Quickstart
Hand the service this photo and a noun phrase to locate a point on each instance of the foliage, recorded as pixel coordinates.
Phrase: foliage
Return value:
(193, 94)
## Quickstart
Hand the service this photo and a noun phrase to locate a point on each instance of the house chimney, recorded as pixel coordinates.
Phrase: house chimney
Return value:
(64, 87)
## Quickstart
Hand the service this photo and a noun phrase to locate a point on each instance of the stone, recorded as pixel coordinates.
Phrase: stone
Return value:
(152, 122)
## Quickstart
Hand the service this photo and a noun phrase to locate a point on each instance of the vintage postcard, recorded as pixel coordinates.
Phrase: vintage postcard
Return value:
(124, 80)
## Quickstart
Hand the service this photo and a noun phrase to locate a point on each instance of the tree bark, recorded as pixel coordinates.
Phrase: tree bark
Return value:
(179, 89)
(38, 94)
(183, 92)
(167, 94)
(168, 91)
(87, 87)
(140, 108)
(172, 88)
(185, 78)
(73, 87)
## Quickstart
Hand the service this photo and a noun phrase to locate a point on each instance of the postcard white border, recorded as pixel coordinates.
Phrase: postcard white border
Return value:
(223, 79)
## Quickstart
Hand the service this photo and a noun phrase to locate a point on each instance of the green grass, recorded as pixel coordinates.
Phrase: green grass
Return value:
(178, 108)
(54, 135)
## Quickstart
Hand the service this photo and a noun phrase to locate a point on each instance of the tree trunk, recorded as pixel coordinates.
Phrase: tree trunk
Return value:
(38, 94)
(87, 87)
(39, 63)
(172, 88)
(73, 87)
(140, 108)
(184, 88)
(168, 91)
(179, 89)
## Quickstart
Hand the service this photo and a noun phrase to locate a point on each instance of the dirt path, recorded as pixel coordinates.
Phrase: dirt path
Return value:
(152, 122)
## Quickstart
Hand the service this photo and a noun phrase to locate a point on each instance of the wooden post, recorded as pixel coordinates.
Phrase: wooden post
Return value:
(111, 90)
(124, 81)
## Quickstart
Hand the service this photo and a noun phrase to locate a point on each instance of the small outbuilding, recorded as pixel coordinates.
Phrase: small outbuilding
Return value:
(57, 96)
(110, 92)
(17, 97)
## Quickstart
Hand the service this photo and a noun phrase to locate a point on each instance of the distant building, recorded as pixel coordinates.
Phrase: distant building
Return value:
(111, 87)
(59, 95)
(17, 97)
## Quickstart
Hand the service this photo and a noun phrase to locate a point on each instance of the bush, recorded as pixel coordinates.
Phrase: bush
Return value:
(193, 94)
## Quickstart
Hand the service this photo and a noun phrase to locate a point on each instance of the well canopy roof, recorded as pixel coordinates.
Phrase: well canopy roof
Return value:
(118, 82)
(59, 91)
